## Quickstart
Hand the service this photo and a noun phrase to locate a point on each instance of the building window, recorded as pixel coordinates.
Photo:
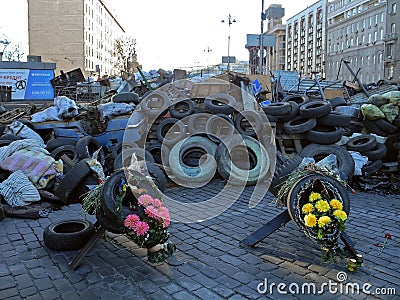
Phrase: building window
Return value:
(376, 19)
(394, 8)
(368, 60)
(375, 36)
(370, 21)
(381, 34)
(358, 26)
(393, 28)
(382, 17)
(369, 37)
(380, 58)
(363, 39)
(362, 61)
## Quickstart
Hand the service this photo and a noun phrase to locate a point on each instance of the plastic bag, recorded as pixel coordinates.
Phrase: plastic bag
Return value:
(67, 108)
(359, 161)
(377, 100)
(19, 129)
(390, 110)
(394, 97)
(372, 112)
(49, 114)
(107, 110)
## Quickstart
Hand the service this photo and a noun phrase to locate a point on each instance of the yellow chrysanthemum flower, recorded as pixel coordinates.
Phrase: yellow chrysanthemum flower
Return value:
(307, 208)
(340, 214)
(336, 204)
(314, 196)
(322, 221)
(310, 220)
(322, 206)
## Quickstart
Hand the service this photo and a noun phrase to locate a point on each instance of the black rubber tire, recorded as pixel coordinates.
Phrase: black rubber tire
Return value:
(82, 189)
(126, 97)
(377, 153)
(86, 146)
(109, 224)
(337, 101)
(334, 188)
(315, 109)
(386, 126)
(277, 109)
(156, 150)
(362, 143)
(67, 235)
(220, 103)
(165, 126)
(72, 180)
(215, 123)
(371, 126)
(58, 142)
(344, 159)
(157, 175)
(372, 167)
(294, 112)
(396, 122)
(352, 128)
(68, 150)
(123, 159)
(254, 120)
(258, 161)
(324, 135)
(196, 123)
(299, 125)
(335, 118)
(193, 174)
(108, 199)
(182, 108)
(299, 99)
(282, 171)
(155, 96)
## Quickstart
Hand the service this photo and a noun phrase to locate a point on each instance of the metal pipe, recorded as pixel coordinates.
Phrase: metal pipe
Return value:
(321, 91)
(346, 63)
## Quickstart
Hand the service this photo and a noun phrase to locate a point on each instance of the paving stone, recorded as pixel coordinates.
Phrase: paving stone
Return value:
(29, 291)
(204, 293)
(8, 293)
(43, 283)
(6, 282)
(182, 295)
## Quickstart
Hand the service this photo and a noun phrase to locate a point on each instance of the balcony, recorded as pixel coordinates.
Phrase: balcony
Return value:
(391, 37)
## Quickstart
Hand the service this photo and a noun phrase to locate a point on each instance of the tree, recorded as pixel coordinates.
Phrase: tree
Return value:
(14, 53)
(124, 54)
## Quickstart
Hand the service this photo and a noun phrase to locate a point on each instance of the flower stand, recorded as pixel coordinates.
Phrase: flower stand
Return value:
(295, 199)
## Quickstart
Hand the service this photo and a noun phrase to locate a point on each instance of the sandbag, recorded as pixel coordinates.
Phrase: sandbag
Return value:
(394, 97)
(372, 112)
(49, 114)
(377, 100)
(390, 110)
(67, 108)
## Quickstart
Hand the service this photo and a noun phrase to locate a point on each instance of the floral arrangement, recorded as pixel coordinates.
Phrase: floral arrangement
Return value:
(323, 216)
(149, 230)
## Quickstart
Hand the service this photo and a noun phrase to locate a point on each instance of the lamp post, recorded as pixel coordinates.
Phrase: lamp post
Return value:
(231, 20)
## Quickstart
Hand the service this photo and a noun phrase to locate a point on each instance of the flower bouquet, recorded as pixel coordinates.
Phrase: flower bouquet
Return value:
(149, 230)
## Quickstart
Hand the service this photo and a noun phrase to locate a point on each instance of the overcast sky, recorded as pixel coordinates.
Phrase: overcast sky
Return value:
(175, 33)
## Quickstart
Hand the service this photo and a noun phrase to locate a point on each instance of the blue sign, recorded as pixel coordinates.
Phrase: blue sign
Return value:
(257, 88)
(38, 85)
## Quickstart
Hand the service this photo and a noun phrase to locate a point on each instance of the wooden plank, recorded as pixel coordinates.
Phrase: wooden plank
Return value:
(265, 230)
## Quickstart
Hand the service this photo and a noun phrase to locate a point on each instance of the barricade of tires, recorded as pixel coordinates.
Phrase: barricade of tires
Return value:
(327, 127)
(194, 139)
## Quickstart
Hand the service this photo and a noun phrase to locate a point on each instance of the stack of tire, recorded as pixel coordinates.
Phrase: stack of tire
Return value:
(199, 126)
(368, 146)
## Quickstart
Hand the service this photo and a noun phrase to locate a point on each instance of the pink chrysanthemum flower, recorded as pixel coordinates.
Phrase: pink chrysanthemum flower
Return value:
(152, 212)
(145, 200)
(130, 221)
(141, 228)
(157, 202)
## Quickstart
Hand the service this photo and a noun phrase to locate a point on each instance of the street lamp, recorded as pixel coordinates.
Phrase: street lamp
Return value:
(230, 21)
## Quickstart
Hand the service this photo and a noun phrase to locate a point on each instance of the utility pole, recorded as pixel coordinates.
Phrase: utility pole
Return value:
(261, 39)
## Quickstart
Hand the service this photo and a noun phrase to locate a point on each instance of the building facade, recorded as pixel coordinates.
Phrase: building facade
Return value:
(392, 45)
(74, 34)
(275, 56)
(306, 40)
(356, 33)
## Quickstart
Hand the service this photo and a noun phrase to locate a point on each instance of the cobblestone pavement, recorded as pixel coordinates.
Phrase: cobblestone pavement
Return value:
(210, 263)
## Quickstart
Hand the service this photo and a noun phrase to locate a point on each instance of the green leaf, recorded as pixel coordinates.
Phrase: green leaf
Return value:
(320, 234)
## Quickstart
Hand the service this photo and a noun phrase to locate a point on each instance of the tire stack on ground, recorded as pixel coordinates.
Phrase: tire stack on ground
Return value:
(197, 127)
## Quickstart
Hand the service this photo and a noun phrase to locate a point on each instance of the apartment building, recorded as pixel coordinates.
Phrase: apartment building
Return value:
(74, 34)
(391, 67)
(356, 33)
(306, 40)
(275, 56)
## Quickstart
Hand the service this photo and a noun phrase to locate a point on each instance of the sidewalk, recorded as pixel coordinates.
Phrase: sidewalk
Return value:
(209, 262)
